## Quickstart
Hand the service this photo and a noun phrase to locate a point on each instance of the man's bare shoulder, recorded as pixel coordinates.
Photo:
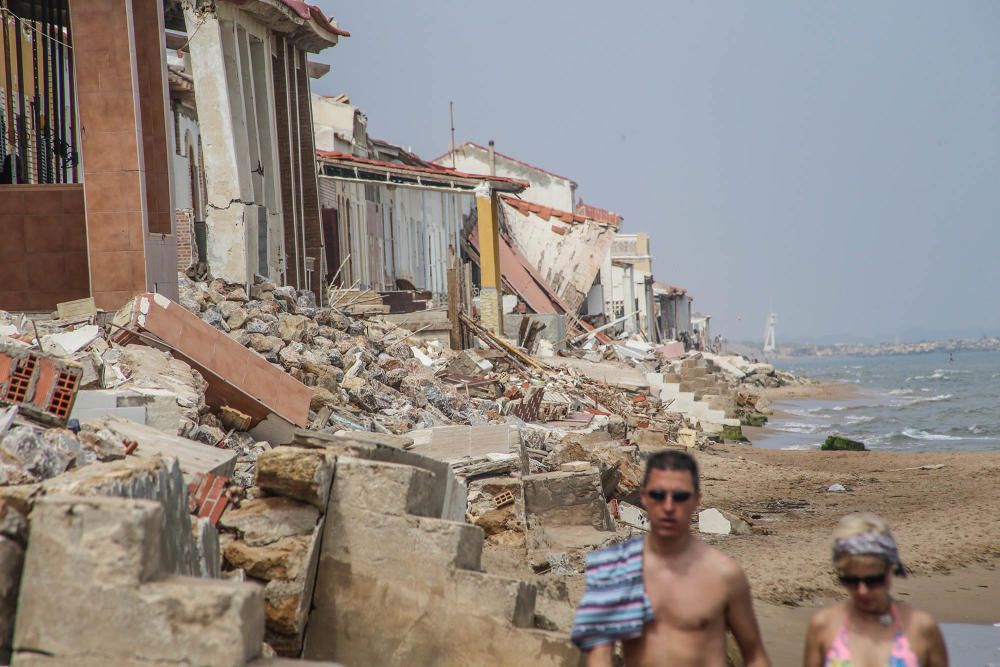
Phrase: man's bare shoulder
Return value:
(725, 565)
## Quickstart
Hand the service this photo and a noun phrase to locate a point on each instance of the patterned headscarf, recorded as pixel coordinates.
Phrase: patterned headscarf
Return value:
(871, 544)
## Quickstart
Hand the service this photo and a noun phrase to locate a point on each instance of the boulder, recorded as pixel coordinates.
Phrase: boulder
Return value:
(837, 443)
(292, 328)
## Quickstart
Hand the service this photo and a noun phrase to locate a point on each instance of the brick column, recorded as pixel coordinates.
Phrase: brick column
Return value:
(490, 292)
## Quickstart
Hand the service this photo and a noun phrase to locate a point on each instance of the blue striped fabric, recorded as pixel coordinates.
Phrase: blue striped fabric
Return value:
(614, 605)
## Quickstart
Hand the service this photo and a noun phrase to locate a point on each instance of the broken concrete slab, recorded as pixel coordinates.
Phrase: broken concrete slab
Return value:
(633, 516)
(92, 403)
(66, 343)
(717, 522)
(236, 376)
(262, 521)
(453, 443)
(159, 376)
(194, 457)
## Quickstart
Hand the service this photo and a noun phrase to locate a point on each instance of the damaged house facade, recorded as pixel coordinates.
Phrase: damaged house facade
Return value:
(103, 144)
(251, 186)
(85, 197)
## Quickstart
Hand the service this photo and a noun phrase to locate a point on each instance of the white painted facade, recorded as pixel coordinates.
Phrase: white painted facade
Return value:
(339, 126)
(396, 232)
(545, 188)
(231, 63)
(568, 261)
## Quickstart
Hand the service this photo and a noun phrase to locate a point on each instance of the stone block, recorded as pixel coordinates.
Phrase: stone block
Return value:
(284, 558)
(288, 602)
(208, 553)
(421, 624)
(503, 598)
(94, 558)
(198, 622)
(262, 521)
(11, 561)
(375, 541)
(153, 479)
(687, 437)
(389, 488)
(297, 472)
(566, 498)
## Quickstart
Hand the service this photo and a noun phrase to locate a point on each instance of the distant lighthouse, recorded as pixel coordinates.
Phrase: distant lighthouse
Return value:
(769, 345)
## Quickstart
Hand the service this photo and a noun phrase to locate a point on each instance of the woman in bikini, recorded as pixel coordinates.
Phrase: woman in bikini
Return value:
(871, 629)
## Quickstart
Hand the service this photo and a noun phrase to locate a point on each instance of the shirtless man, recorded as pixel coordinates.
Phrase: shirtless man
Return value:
(669, 597)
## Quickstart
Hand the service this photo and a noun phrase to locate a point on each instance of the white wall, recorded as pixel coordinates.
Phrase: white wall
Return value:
(332, 118)
(185, 126)
(406, 236)
(546, 189)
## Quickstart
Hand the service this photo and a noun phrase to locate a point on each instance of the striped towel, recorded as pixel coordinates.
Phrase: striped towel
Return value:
(614, 605)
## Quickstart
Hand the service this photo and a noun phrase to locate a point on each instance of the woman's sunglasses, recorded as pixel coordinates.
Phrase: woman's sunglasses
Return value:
(872, 581)
(677, 496)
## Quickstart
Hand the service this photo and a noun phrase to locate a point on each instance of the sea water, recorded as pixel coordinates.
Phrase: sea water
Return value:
(908, 403)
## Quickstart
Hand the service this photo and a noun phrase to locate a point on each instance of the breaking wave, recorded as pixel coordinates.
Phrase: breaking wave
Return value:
(917, 434)
(930, 399)
(799, 427)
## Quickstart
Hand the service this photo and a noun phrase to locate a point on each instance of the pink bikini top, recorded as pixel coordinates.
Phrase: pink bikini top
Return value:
(902, 655)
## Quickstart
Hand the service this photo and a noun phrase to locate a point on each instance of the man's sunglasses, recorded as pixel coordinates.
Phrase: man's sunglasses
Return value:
(677, 496)
(873, 581)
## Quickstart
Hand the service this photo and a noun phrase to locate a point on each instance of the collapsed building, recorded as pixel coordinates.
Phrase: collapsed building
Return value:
(290, 372)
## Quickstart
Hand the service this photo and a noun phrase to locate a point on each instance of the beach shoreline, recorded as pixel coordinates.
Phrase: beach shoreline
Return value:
(942, 506)
(822, 391)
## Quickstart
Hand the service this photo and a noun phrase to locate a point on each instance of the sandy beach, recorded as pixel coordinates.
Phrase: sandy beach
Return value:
(944, 509)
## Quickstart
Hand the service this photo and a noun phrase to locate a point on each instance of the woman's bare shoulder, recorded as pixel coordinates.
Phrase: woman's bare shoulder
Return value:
(827, 618)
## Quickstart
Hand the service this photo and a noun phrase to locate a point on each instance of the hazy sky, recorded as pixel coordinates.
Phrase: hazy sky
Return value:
(835, 162)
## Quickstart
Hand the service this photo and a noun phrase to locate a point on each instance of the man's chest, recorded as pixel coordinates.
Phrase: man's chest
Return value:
(693, 602)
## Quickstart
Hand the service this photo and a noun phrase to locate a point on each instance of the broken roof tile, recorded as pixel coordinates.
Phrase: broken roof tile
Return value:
(599, 214)
(348, 159)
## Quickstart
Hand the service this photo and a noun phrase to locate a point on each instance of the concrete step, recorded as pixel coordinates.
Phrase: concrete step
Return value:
(389, 488)
(488, 595)
(400, 544)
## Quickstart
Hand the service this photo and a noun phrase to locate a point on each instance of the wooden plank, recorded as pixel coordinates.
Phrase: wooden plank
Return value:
(454, 305)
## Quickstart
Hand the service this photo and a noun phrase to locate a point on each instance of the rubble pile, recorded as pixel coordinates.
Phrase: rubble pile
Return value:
(366, 375)
(767, 376)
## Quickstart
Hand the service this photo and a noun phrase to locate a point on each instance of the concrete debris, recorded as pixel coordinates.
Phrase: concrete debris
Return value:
(633, 516)
(717, 522)
(286, 463)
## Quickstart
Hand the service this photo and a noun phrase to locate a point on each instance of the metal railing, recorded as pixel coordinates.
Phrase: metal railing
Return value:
(37, 93)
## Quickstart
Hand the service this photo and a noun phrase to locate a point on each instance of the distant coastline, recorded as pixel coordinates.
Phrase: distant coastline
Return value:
(984, 344)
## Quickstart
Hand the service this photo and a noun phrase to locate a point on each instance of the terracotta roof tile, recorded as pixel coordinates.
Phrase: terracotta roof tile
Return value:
(599, 214)
(307, 11)
(546, 212)
(430, 169)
